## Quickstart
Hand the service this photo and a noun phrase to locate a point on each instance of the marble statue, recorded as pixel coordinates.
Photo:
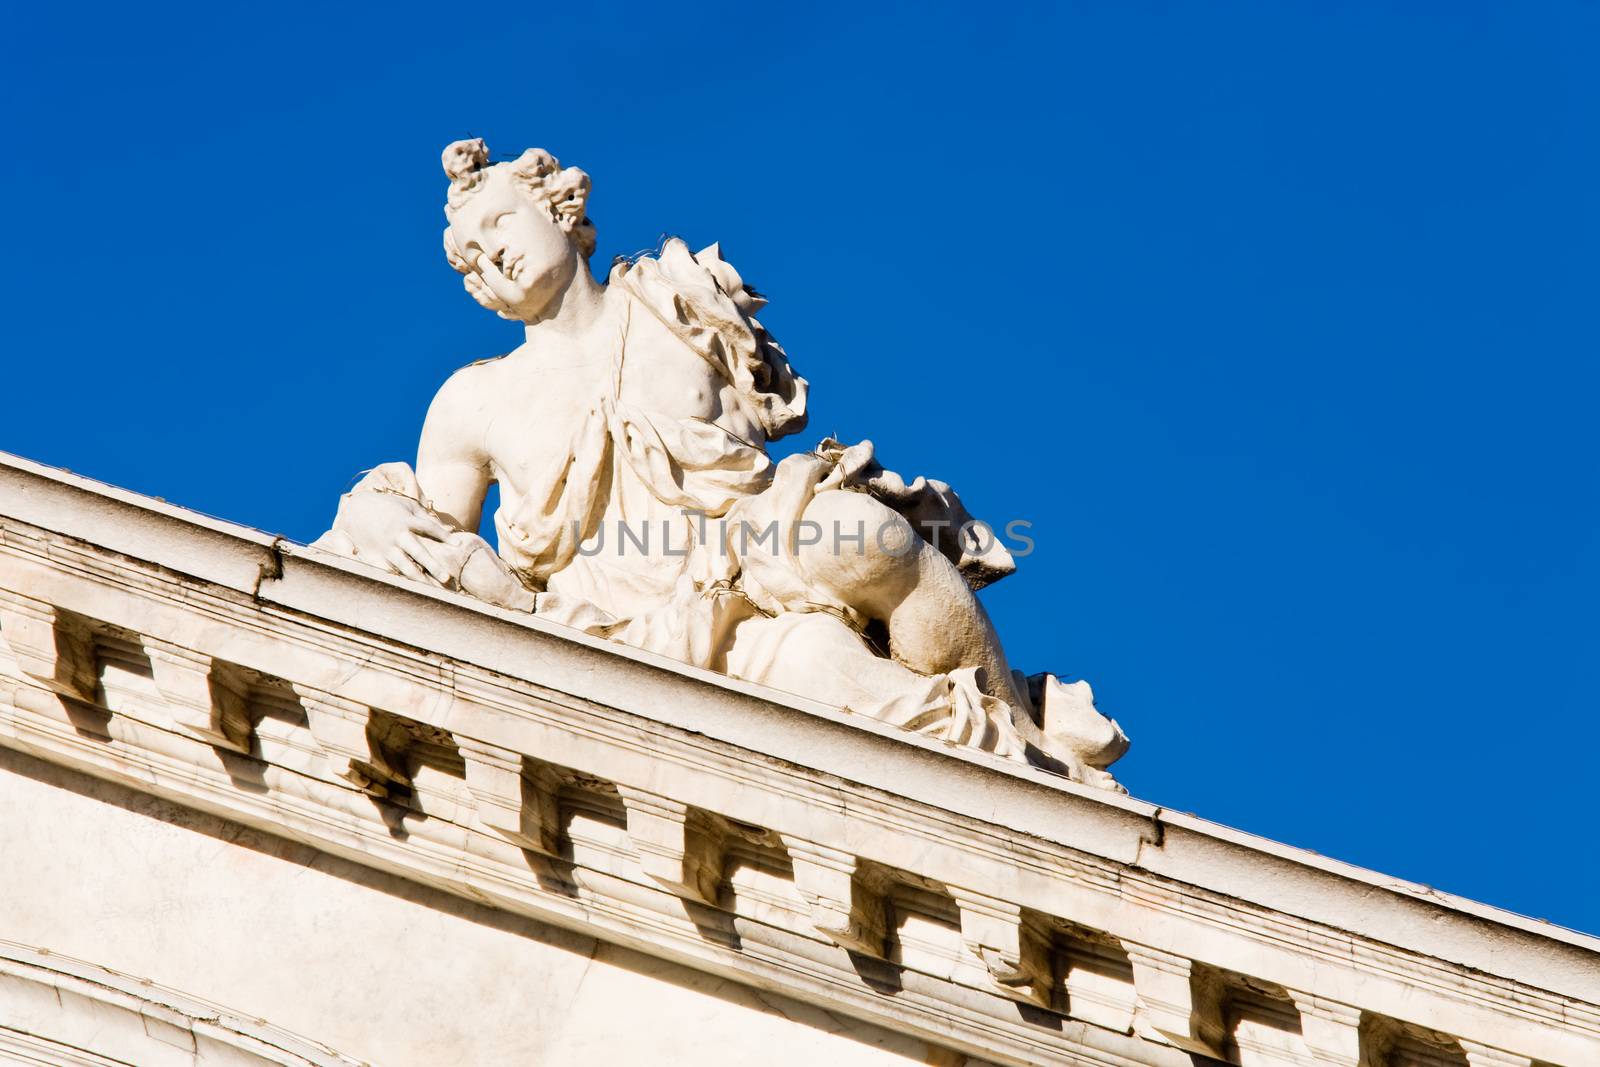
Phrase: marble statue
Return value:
(627, 435)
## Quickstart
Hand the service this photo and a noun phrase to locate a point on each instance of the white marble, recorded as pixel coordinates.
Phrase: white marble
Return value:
(637, 412)
(323, 774)
(380, 970)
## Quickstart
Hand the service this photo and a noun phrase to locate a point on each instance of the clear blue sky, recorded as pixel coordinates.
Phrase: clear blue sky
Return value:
(1277, 322)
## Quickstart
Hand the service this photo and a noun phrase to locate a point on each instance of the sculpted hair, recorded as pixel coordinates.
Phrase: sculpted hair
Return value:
(540, 176)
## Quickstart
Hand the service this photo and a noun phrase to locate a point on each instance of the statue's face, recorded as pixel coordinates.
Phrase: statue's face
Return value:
(523, 254)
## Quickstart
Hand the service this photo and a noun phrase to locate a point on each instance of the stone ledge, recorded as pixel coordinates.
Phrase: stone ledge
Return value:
(135, 1021)
(1022, 865)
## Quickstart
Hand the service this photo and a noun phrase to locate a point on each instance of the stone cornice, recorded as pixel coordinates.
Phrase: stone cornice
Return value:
(451, 742)
(43, 996)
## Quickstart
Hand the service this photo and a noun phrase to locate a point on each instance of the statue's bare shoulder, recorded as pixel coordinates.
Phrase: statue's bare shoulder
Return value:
(646, 402)
(460, 414)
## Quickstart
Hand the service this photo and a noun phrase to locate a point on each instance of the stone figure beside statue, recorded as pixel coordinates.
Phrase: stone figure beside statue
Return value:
(645, 404)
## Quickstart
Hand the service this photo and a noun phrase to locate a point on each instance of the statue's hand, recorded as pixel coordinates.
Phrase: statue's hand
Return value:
(490, 288)
(479, 290)
(394, 532)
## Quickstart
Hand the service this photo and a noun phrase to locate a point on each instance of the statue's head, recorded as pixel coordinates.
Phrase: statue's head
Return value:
(518, 233)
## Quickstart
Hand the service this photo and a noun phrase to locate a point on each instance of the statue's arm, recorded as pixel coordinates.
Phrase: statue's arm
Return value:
(422, 523)
(399, 519)
(453, 467)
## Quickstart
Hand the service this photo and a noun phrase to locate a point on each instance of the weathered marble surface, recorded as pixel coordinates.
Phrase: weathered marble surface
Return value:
(411, 741)
(384, 971)
(63, 1012)
(641, 408)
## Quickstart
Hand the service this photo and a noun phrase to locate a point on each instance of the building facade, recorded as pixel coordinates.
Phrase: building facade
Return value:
(263, 804)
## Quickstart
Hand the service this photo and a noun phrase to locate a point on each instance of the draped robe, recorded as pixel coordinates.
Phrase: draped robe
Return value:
(631, 472)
